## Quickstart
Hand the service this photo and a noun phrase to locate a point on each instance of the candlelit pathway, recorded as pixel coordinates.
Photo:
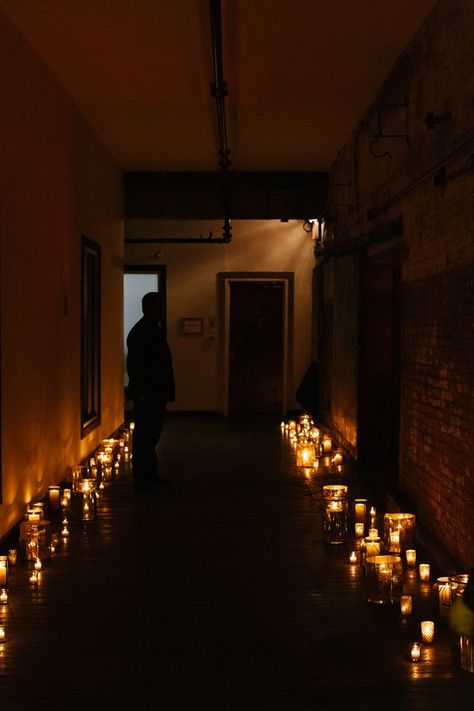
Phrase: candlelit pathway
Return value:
(217, 592)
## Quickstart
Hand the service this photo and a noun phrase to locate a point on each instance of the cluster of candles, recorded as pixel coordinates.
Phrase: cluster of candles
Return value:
(37, 540)
(311, 444)
(382, 559)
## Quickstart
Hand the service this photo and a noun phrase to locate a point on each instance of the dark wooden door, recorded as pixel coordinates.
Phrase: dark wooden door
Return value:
(379, 360)
(256, 346)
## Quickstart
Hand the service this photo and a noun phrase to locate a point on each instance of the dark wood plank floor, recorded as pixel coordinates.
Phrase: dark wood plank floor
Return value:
(217, 592)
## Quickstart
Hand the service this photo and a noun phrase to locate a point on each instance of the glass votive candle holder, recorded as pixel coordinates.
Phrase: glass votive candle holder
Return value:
(373, 532)
(415, 651)
(443, 587)
(12, 555)
(338, 457)
(305, 454)
(327, 444)
(3, 596)
(359, 530)
(406, 605)
(424, 572)
(384, 578)
(353, 557)
(427, 631)
(410, 554)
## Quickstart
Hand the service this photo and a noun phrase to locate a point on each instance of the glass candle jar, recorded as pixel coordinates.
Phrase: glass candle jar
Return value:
(305, 453)
(335, 513)
(427, 631)
(399, 531)
(410, 554)
(424, 572)
(360, 509)
(467, 653)
(54, 498)
(369, 547)
(3, 571)
(443, 588)
(384, 575)
(415, 651)
(406, 605)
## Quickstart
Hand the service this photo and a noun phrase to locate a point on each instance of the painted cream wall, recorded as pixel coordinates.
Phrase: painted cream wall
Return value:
(256, 246)
(57, 183)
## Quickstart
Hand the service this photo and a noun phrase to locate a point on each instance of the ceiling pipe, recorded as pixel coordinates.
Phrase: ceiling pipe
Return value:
(219, 92)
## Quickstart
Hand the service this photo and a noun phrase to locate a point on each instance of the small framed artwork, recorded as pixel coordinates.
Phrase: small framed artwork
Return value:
(192, 326)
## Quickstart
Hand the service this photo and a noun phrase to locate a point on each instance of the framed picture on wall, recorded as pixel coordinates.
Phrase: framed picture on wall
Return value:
(192, 326)
(90, 335)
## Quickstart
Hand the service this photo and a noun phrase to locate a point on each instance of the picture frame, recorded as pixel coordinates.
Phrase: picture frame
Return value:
(192, 326)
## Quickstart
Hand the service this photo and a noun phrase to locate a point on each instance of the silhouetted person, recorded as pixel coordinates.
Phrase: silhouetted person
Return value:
(151, 387)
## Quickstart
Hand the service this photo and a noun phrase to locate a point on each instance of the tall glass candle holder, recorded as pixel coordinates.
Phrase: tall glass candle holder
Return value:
(335, 513)
(54, 498)
(327, 444)
(399, 531)
(3, 571)
(88, 500)
(305, 453)
(467, 653)
(360, 509)
(384, 576)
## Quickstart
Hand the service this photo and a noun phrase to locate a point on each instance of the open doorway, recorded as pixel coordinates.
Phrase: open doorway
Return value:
(137, 281)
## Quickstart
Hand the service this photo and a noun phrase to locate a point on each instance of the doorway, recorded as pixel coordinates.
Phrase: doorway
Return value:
(137, 281)
(379, 359)
(256, 341)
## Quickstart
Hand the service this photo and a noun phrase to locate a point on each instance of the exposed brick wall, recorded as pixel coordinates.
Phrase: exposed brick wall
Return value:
(429, 181)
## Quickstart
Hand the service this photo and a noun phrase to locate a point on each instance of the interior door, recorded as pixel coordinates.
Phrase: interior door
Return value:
(256, 346)
(379, 360)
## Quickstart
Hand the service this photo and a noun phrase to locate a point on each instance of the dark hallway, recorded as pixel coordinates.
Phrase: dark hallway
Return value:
(218, 592)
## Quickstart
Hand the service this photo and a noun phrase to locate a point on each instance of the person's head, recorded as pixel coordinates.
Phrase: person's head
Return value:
(153, 305)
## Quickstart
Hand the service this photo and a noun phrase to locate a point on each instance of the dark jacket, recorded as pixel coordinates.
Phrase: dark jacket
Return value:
(149, 363)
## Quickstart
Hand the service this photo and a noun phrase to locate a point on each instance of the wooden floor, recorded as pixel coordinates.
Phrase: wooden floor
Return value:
(218, 592)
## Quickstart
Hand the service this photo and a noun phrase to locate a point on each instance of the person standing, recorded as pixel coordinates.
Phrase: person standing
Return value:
(151, 387)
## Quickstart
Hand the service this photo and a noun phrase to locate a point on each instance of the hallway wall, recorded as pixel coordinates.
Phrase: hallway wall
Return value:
(425, 177)
(256, 246)
(57, 183)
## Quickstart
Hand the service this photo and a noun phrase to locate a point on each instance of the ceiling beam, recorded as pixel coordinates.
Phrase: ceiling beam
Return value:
(251, 195)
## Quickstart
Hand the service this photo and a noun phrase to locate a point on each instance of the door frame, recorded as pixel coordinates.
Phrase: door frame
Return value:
(224, 279)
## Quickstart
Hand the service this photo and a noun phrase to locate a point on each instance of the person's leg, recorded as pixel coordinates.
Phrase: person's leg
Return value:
(148, 425)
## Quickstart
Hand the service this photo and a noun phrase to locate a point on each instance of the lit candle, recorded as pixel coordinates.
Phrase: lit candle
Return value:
(373, 511)
(444, 595)
(337, 458)
(67, 494)
(373, 532)
(327, 444)
(424, 569)
(34, 577)
(360, 507)
(33, 515)
(54, 497)
(2, 634)
(3, 596)
(395, 541)
(353, 557)
(38, 564)
(132, 425)
(359, 530)
(65, 532)
(12, 556)
(411, 556)
(406, 604)
(427, 630)
(415, 651)
(282, 425)
(3, 573)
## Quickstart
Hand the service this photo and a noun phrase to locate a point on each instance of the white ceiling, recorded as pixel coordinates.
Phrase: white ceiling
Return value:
(300, 74)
